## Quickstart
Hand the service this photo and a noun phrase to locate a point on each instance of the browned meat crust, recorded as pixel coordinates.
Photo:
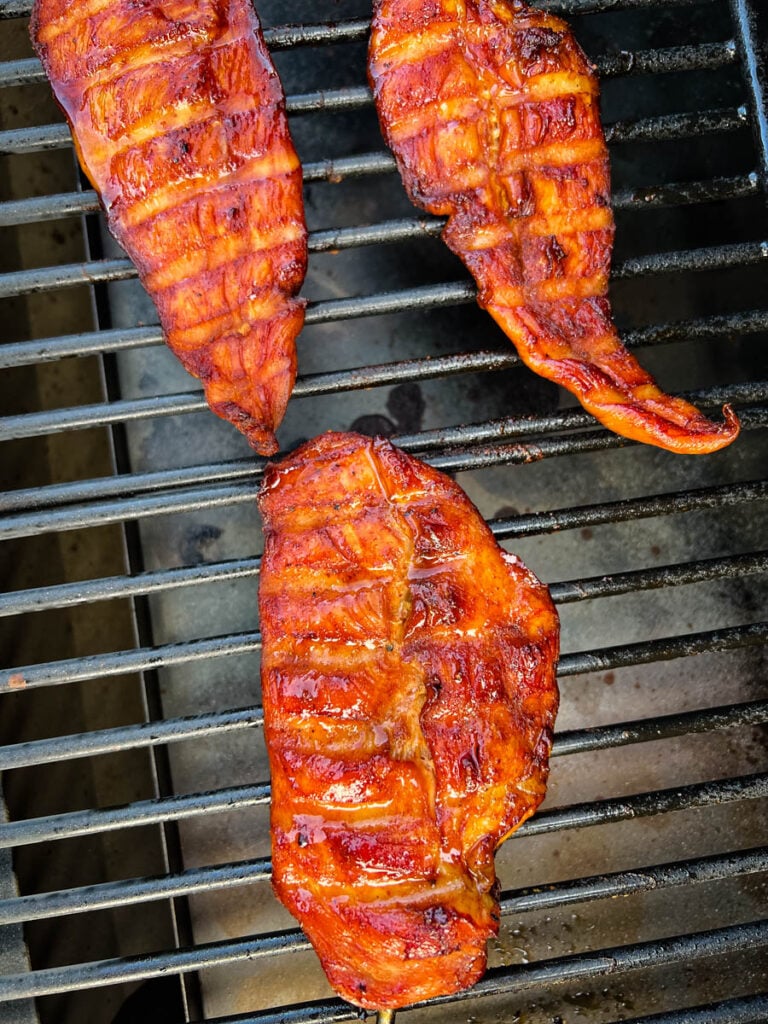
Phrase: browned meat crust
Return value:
(179, 122)
(408, 682)
(491, 109)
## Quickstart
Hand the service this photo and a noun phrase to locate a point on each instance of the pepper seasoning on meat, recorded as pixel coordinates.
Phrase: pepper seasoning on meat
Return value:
(178, 118)
(491, 109)
(408, 684)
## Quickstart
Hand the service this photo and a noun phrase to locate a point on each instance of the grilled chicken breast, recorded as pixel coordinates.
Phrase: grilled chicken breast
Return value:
(491, 109)
(408, 682)
(178, 119)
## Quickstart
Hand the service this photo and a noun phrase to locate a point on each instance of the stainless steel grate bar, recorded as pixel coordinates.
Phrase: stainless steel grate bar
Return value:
(666, 127)
(669, 127)
(68, 595)
(749, 1010)
(697, 56)
(660, 576)
(175, 730)
(434, 440)
(662, 727)
(26, 71)
(24, 353)
(575, 968)
(46, 350)
(521, 526)
(54, 207)
(497, 980)
(45, 906)
(131, 409)
(142, 812)
(127, 737)
(648, 651)
(216, 495)
(690, 57)
(719, 257)
(536, 523)
(750, 24)
(125, 893)
(114, 663)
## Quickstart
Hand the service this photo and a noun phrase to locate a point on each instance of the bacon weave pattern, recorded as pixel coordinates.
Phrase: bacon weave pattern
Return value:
(491, 109)
(408, 684)
(179, 121)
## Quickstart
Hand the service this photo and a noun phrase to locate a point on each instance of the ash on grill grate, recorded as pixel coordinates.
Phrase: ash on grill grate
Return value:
(133, 758)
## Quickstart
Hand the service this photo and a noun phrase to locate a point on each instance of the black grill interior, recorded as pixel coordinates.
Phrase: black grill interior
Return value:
(133, 796)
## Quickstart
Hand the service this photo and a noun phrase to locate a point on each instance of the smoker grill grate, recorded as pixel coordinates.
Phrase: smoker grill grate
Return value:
(721, 498)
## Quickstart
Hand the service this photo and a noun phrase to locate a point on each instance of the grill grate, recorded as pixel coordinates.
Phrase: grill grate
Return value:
(710, 510)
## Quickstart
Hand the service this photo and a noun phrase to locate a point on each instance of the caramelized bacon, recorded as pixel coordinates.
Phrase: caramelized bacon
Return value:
(491, 109)
(179, 122)
(408, 682)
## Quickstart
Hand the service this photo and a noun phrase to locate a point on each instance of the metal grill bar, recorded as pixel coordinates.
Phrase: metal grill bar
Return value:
(55, 207)
(132, 409)
(746, 1010)
(100, 666)
(536, 523)
(114, 894)
(128, 737)
(665, 649)
(45, 350)
(662, 128)
(174, 730)
(690, 57)
(669, 127)
(67, 595)
(46, 906)
(659, 576)
(603, 737)
(24, 353)
(520, 978)
(142, 812)
(749, 1010)
(627, 883)
(641, 805)
(26, 71)
(138, 968)
(424, 441)
(750, 29)
(720, 257)
(100, 513)
(139, 890)
(34, 139)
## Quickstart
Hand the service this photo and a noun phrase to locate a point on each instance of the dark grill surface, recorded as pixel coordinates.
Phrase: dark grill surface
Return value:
(134, 792)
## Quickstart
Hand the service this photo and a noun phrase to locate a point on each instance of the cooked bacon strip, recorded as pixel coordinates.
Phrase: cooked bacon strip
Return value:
(179, 121)
(408, 683)
(491, 109)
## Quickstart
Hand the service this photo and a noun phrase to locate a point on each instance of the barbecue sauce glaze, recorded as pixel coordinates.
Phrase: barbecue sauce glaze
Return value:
(179, 121)
(491, 109)
(408, 683)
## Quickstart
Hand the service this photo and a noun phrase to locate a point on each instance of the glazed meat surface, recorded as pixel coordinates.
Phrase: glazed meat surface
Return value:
(408, 683)
(491, 109)
(179, 122)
